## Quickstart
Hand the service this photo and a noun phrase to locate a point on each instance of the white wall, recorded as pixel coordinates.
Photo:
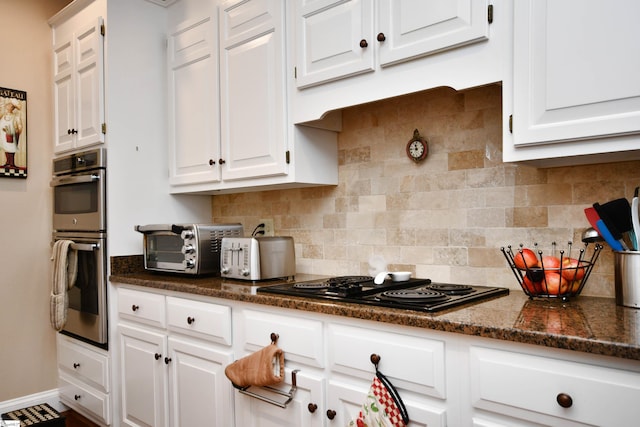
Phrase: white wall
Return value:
(27, 348)
(138, 175)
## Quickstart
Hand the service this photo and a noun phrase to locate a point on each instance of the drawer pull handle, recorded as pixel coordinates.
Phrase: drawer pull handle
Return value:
(167, 360)
(76, 397)
(76, 365)
(157, 356)
(190, 320)
(135, 307)
(312, 407)
(331, 414)
(564, 400)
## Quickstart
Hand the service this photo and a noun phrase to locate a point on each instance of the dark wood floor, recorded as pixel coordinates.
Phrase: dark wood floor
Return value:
(76, 420)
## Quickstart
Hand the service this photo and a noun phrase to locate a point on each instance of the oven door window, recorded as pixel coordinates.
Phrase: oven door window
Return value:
(76, 198)
(165, 248)
(83, 296)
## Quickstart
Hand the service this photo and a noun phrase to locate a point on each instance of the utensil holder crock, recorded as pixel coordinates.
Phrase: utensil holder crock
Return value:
(627, 278)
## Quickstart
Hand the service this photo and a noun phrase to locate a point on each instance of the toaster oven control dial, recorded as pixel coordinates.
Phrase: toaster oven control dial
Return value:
(189, 263)
(186, 234)
(246, 272)
(188, 249)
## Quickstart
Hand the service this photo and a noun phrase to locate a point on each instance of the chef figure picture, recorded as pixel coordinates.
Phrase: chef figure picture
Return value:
(13, 141)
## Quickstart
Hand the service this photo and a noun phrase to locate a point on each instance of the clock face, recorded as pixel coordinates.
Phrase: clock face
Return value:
(417, 149)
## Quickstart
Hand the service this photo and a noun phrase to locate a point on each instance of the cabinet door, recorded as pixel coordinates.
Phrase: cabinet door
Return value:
(200, 392)
(251, 412)
(334, 39)
(411, 28)
(79, 87)
(194, 118)
(63, 95)
(576, 68)
(143, 376)
(252, 76)
(89, 72)
(345, 398)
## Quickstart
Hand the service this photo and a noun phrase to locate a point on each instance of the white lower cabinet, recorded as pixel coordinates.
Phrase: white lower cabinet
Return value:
(169, 378)
(173, 375)
(550, 391)
(84, 379)
(200, 394)
(305, 409)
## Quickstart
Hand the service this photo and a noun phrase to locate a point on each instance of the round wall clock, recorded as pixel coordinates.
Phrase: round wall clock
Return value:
(417, 148)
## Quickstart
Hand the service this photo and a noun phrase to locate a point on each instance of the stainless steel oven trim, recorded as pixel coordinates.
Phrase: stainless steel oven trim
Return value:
(87, 326)
(94, 221)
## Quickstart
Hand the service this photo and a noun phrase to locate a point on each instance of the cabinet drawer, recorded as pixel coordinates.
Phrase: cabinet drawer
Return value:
(201, 319)
(410, 362)
(300, 339)
(76, 394)
(527, 386)
(84, 364)
(143, 307)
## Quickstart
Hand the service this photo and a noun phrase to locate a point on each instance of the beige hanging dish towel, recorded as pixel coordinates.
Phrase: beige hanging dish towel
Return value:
(262, 368)
(65, 269)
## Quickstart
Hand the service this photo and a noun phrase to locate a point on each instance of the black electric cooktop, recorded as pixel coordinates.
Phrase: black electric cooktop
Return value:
(413, 294)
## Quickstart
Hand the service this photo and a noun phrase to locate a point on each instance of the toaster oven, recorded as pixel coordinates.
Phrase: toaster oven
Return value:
(192, 249)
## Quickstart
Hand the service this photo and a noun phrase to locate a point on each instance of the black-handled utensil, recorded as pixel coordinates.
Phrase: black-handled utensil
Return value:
(611, 225)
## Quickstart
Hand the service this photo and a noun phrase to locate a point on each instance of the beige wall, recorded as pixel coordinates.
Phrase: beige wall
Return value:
(445, 218)
(27, 349)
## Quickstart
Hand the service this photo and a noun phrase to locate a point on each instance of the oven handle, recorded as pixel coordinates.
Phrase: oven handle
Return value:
(88, 247)
(77, 179)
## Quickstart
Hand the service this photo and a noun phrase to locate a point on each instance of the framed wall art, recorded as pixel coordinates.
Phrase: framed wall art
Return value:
(13, 133)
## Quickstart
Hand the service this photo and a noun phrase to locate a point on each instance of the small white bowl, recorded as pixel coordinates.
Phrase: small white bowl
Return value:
(400, 276)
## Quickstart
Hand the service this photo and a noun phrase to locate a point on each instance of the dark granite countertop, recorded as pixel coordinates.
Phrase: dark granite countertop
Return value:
(587, 324)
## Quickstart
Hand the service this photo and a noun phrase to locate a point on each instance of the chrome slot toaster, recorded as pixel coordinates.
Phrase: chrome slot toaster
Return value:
(257, 258)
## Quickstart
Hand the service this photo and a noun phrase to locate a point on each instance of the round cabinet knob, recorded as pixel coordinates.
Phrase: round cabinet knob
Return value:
(77, 397)
(221, 161)
(363, 43)
(564, 400)
(76, 365)
(135, 307)
(188, 249)
(189, 263)
(190, 320)
(212, 162)
(186, 234)
(331, 414)
(312, 407)
(157, 356)
(381, 37)
(167, 360)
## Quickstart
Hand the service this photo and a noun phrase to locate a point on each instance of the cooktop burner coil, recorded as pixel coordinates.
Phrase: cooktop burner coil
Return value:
(450, 289)
(414, 296)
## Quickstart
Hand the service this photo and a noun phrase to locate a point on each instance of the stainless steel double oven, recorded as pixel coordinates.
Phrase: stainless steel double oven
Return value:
(80, 215)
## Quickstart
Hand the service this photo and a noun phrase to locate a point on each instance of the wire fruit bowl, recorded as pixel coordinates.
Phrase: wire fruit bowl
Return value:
(551, 276)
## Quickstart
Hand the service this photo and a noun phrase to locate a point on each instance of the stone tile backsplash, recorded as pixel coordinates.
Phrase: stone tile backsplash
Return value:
(445, 218)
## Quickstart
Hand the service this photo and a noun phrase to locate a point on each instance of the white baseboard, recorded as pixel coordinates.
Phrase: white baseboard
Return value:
(51, 397)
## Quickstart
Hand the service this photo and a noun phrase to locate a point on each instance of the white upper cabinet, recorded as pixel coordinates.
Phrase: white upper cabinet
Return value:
(253, 81)
(357, 51)
(576, 89)
(78, 61)
(193, 130)
(336, 39)
(230, 111)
